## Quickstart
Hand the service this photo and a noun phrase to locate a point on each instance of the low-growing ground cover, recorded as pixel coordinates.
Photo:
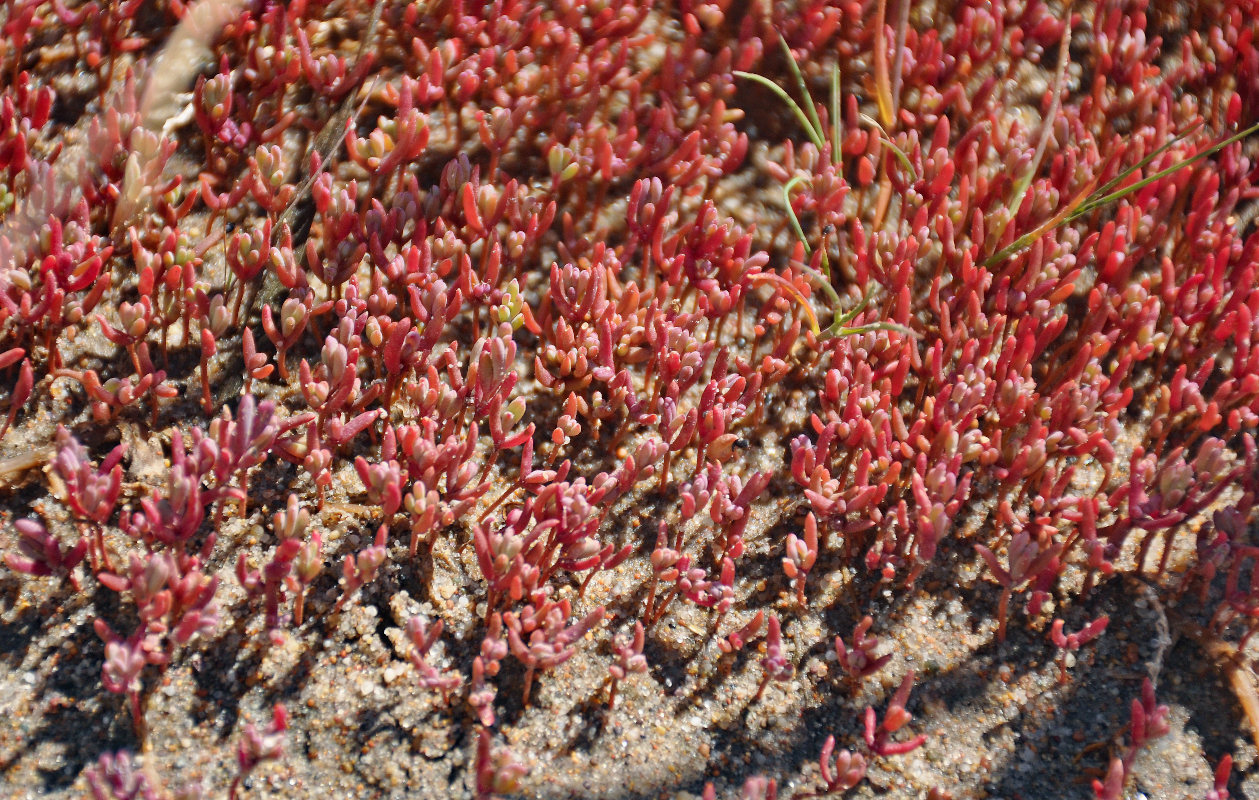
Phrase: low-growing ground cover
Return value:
(628, 399)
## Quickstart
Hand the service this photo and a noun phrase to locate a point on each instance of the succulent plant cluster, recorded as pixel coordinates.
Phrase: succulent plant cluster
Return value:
(495, 276)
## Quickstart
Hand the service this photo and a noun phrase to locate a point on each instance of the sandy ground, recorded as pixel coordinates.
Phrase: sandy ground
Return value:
(999, 722)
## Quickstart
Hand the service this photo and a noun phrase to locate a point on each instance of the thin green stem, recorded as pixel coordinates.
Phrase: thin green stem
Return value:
(1090, 205)
(1143, 163)
(837, 151)
(1104, 196)
(827, 289)
(851, 314)
(873, 326)
(804, 92)
(791, 212)
(808, 118)
(786, 98)
(899, 153)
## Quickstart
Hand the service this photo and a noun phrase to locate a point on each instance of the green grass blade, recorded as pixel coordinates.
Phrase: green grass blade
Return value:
(791, 212)
(786, 98)
(1104, 195)
(837, 150)
(896, 151)
(1143, 163)
(818, 131)
(873, 326)
(1107, 199)
(851, 314)
(823, 282)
